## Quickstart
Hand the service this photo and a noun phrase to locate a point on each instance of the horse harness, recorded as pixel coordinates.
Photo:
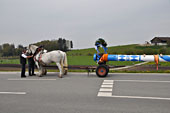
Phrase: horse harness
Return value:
(39, 60)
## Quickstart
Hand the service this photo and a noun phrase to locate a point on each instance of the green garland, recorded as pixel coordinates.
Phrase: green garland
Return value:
(100, 41)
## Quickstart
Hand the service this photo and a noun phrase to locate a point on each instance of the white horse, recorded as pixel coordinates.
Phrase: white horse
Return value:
(44, 58)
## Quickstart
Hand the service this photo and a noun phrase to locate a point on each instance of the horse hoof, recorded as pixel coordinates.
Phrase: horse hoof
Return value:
(65, 73)
(60, 76)
(40, 75)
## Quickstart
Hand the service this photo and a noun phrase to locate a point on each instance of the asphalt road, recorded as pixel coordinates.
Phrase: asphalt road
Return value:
(79, 93)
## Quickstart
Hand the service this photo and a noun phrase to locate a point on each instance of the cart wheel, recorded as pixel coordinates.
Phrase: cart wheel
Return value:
(102, 71)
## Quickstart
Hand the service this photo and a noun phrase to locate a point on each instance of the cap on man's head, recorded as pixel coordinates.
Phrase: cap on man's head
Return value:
(41, 46)
(24, 49)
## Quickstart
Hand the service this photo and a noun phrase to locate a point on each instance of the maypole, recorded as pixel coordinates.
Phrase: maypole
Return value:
(101, 58)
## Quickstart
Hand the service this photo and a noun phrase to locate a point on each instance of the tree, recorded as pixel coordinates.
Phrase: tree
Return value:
(20, 46)
(18, 50)
(8, 50)
(64, 46)
(0, 50)
(168, 43)
(49, 45)
(60, 43)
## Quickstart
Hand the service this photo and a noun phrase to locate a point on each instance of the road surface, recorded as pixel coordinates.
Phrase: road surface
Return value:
(80, 93)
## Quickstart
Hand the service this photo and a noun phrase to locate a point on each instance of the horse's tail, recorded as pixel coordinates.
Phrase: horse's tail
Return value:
(65, 62)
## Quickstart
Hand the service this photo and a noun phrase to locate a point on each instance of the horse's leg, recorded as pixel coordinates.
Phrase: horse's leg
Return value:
(38, 67)
(65, 71)
(60, 69)
(65, 64)
(40, 71)
(37, 64)
(62, 63)
(45, 71)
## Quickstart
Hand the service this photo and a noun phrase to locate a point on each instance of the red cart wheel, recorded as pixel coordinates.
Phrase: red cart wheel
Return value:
(102, 71)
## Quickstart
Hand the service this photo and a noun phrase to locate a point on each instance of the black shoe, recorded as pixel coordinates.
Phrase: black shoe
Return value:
(33, 74)
(23, 76)
(30, 75)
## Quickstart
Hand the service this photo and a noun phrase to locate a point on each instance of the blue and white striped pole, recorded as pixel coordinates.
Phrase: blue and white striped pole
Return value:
(162, 58)
(150, 58)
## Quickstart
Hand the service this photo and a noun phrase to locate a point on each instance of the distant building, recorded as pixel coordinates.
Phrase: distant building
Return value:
(160, 40)
(69, 44)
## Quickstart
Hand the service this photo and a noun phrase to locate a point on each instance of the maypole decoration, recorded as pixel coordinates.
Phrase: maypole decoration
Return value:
(101, 58)
(100, 42)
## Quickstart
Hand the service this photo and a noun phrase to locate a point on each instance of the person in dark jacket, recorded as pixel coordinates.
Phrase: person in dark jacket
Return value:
(31, 65)
(23, 62)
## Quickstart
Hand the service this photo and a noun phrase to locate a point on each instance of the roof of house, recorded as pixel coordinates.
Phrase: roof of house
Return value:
(160, 40)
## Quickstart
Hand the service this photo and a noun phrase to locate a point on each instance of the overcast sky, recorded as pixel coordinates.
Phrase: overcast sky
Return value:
(83, 21)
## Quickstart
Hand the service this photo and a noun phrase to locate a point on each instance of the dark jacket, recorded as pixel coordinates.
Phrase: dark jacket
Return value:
(22, 60)
(31, 61)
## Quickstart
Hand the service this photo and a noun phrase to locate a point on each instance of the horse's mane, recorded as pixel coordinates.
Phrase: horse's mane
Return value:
(33, 46)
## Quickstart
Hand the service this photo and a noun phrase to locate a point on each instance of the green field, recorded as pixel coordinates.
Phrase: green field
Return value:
(88, 60)
(124, 49)
(9, 61)
(74, 60)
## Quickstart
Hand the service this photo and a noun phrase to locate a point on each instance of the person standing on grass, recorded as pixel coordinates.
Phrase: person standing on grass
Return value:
(23, 62)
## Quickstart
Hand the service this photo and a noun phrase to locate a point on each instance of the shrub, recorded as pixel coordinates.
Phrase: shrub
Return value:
(139, 52)
(168, 43)
(148, 51)
(163, 51)
(130, 52)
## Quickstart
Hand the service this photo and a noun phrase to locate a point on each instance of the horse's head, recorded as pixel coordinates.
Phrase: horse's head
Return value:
(28, 51)
(31, 49)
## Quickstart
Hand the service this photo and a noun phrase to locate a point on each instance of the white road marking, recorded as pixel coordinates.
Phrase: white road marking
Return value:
(104, 94)
(104, 89)
(142, 81)
(31, 79)
(14, 93)
(139, 97)
(108, 81)
(106, 86)
(105, 83)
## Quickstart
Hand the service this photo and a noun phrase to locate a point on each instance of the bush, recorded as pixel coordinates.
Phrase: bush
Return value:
(130, 52)
(163, 51)
(139, 52)
(168, 43)
(148, 51)
(89, 54)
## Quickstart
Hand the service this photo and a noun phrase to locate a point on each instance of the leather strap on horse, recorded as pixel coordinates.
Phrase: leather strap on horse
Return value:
(40, 59)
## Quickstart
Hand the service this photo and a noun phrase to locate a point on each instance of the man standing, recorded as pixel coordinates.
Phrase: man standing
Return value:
(31, 65)
(23, 61)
